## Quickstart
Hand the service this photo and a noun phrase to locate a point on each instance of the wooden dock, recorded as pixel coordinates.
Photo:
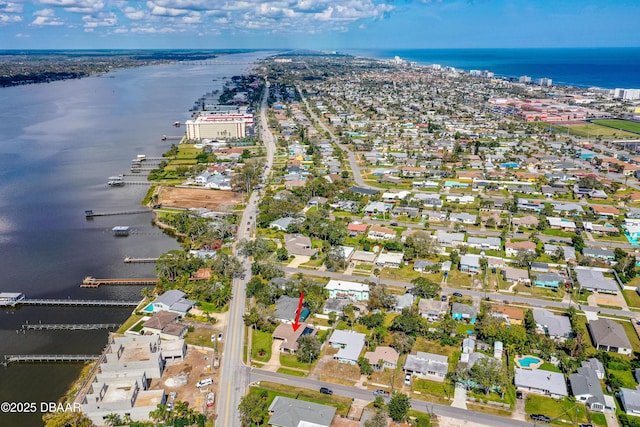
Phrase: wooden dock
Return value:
(131, 260)
(48, 358)
(90, 213)
(77, 302)
(69, 326)
(92, 282)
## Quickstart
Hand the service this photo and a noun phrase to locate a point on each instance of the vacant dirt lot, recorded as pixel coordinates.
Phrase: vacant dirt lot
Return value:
(182, 377)
(215, 200)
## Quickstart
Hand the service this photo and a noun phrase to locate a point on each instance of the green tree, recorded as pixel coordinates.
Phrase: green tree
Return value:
(380, 297)
(365, 366)
(308, 348)
(67, 419)
(454, 256)
(334, 259)
(399, 406)
(577, 243)
(425, 288)
(282, 254)
(379, 418)
(402, 342)
(253, 409)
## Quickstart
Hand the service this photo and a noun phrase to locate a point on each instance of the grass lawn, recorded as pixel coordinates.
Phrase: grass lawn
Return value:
(632, 298)
(432, 389)
(590, 130)
(341, 403)
(598, 419)
(463, 329)
(557, 233)
(589, 349)
(489, 409)
(293, 372)
(631, 333)
(405, 274)
(201, 337)
(132, 320)
(619, 124)
(290, 360)
(422, 344)
(261, 342)
(625, 377)
(556, 409)
(546, 366)
(457, 279)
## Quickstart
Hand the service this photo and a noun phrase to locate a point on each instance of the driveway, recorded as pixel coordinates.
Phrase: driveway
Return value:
(299, 259)
(460, 398)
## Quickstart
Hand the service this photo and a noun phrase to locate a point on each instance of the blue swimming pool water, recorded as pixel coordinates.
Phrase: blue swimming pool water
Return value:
(148, 309)
(529, 360)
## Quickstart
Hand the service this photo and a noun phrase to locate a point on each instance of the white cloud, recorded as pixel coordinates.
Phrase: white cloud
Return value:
(9, 19)
(165, 11)
(76, 6)
(10, 7)
(101, 20)
(135, 14)
(22, 36)
(45, 12)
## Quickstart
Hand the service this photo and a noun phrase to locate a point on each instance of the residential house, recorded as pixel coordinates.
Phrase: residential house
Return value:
(403, 301)
(390, 259)
(432, 310)
(463, 217)
(298, 244)
(585, 386)
(512, 248)
(540, 381)
(597, 253)
(604, 211)
(336, 305)
(427, 365)
(460, 199)
(355, 229)
(165, 324)
(554, 326)
(287, 310)
(283, 223)
(470, 263)
(350, 344)
(173, 301)
(605, 229)
(490, 243)
(377, 232)
(567, 208)
(288, 412)
(387, 355)
(593, 280)
(449, 239)
(289, 336)
(374, 208)
(630, 400)
(608, 335)
(461, 311)
(548, 280)
(516, 275)
(596, 366)
(351, 290)
(422, 265)
(434, 216)
(561, 224)
(511, 315)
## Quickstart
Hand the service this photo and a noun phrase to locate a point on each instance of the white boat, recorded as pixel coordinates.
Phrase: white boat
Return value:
(115, 181)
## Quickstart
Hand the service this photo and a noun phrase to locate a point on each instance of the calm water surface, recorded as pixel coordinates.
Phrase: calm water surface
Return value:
(58, 144)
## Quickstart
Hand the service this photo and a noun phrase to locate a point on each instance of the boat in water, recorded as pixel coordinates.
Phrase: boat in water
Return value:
(116, 181)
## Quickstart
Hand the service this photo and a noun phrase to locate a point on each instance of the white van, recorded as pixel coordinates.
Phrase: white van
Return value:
(205, 382)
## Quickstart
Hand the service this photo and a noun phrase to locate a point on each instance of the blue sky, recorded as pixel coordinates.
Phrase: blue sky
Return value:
(317, 24)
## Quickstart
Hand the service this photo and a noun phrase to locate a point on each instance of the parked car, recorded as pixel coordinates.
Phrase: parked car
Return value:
(457, 294)
(443, 298)
(407, 379)
(325, 390)
(393, 224)
(518, 394)
(380, 392)
(219, 337)
(540, 417)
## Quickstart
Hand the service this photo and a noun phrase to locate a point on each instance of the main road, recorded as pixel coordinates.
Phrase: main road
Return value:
(235, 379)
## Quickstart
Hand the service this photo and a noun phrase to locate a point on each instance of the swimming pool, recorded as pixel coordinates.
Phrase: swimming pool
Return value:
(148, 309)
(527, 361)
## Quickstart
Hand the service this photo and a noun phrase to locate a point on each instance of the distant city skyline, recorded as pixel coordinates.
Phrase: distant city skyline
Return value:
(317, 24)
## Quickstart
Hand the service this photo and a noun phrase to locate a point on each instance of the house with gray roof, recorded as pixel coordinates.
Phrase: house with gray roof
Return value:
(288, 412)
(287, 308)
(461, 311)
(491, 243)
(609, 335)
(554, 326)
(427, 365)
(350, 344)
(594, 281)
(516, 275)
(449, 239)
(597, 253)
(470, 263)
(433, 310)
(422, 264)
(596, 366)
(630, 400)
(585, 386)
(283, 223)
(173, 301)
(403, 301)
(462, 217)
(539, 381)
(548, 280)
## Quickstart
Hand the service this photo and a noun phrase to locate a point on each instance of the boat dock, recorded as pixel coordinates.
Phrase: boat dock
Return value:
(89, 213)
(92, 282)
(69, 326)
(77, 302)
(171, 138)
(130, 260)
(48, 358)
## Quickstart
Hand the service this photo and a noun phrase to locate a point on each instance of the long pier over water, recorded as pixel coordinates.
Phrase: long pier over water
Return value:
(69, 326)
(48, 358)
(92, 282)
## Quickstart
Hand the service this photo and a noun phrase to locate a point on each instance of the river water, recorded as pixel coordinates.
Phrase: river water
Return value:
(58, 144)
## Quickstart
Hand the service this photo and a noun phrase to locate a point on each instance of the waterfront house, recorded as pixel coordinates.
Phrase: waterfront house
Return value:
(165, 324)
(172, 300)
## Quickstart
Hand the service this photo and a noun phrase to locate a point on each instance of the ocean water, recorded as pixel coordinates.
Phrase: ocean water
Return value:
(583, 67)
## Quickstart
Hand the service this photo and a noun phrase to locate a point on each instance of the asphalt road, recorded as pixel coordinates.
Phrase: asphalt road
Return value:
(234, 379)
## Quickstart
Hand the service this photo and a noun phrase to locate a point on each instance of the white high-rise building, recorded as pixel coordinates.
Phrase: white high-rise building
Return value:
(545, 81)
(627, 94)
(524, 79)
(218, 126)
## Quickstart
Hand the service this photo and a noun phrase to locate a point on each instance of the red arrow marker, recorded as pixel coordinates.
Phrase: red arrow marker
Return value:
(296, 324)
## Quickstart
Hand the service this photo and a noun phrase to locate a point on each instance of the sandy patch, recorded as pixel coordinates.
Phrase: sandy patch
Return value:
(215, 200)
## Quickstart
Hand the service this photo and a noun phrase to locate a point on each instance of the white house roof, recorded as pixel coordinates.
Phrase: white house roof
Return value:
(553, 382)
(289, 412)
(353, 343)
(344, 285)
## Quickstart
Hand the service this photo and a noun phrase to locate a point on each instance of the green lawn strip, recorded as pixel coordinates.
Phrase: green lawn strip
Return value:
(342, 404)
(632, 298)
(290, 361)
(556, 409)
(488, 409)
(619, 124)
(598, 419)
(625, 377)
(293, 372)
(132, 320)
(557, 233)
(261, 342)
(546, 366)
(427, 389)
(200, 337)
(632, 335)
